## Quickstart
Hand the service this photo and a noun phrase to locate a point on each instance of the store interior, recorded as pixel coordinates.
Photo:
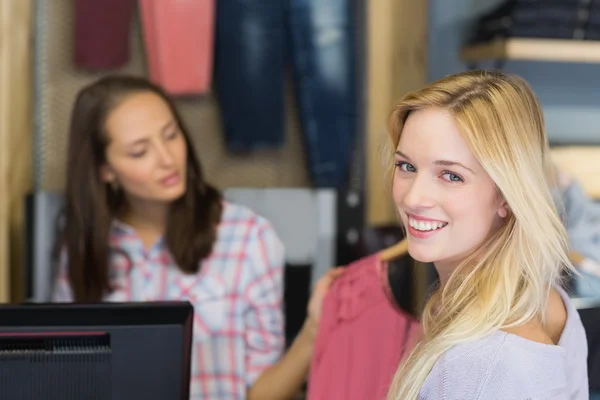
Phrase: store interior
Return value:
(286, 104)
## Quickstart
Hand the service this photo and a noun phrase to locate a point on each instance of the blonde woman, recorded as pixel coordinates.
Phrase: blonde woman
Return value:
(471, 161)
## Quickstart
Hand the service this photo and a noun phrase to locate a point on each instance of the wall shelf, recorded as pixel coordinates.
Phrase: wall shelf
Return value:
(550, 50)
(581, 163)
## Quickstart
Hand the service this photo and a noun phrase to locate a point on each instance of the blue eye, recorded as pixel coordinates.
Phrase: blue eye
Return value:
(406, 167)
(449, 176)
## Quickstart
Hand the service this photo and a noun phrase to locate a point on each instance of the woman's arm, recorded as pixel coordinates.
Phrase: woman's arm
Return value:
(284, 379)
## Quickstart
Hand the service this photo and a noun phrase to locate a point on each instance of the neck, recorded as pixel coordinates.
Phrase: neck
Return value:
(146, 215)
(444, 270)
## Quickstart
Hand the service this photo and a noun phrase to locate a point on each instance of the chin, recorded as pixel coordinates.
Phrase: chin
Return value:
(172, 194)
(421, 254)
(422, 258)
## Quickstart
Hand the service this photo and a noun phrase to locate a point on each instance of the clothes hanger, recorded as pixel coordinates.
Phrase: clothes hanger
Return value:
(394, 252)
(585, 264)
(576, 258)
(400, 249)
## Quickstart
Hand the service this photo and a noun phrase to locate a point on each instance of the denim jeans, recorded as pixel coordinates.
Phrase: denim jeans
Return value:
(255, 39)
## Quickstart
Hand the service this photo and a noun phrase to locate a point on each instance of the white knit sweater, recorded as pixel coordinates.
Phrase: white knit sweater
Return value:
(507, 367)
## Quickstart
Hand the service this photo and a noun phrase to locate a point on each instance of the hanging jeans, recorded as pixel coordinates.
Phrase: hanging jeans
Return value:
(254, 41)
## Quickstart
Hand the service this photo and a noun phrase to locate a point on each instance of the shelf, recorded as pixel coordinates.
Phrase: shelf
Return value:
(581, 163)
(551, 50)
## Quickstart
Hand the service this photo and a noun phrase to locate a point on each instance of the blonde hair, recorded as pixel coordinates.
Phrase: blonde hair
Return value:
(507, 281)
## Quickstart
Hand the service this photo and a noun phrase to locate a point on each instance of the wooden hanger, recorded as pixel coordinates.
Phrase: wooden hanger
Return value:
(576, 258)
(400, 249)
(394, 252)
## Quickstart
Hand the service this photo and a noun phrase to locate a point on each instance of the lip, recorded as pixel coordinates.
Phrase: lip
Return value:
(170, 180)
(423, 234)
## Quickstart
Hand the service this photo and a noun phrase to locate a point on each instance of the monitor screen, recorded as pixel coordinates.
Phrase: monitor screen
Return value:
(108, 351)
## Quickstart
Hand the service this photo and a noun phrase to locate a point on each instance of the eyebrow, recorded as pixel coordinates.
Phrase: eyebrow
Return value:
(445, 163)
(165, 127)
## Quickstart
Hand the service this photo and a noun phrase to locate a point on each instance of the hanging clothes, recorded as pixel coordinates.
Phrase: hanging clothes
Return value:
(179, 42)
(255, 40)
(362, 336)
(581, 216)
(101, 33)
(535, 19)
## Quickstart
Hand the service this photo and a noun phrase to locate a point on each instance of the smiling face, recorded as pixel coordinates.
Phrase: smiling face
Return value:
(147, 152)
(446, 200)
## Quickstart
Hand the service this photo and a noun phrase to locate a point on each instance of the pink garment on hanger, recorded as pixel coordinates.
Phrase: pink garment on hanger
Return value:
(362, 336)
(179, 42)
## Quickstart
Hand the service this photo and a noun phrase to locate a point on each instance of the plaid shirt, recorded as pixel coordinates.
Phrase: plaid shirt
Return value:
(237, 295)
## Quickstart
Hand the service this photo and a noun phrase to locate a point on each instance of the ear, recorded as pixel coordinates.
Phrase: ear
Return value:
(106, 174)
(503, 209)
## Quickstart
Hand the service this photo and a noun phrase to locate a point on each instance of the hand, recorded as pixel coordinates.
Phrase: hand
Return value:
(315, 303)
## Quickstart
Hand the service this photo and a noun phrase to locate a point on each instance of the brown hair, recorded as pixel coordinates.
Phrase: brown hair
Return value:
(91, 205)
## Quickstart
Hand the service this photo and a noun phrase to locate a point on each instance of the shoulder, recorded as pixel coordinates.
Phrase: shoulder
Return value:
(498, 366)
(251, 240)
(255, 234)
(239, 216)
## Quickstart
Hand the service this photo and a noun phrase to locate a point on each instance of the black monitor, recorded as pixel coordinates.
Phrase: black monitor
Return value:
(107, 351)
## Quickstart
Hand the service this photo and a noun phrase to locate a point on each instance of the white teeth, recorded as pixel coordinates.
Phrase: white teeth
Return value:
(425, 226)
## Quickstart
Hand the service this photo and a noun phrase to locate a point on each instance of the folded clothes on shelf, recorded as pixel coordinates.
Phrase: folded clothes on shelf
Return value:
(550, 19)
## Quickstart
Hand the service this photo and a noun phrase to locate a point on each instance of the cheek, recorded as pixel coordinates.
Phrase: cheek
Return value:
(399, 188)
(134, 173)
(177, 148)
(180, 151)
(472, 214)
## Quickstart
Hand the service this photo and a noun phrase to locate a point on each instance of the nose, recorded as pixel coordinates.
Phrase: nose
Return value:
(165, 157)
(419, 194)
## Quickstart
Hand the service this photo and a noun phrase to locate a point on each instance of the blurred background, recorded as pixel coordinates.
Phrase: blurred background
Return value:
(326, 73)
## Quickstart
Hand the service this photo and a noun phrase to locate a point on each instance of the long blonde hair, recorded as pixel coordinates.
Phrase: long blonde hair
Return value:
(507, 281)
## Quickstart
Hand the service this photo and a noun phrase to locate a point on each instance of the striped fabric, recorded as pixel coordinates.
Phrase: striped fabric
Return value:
(237, 295)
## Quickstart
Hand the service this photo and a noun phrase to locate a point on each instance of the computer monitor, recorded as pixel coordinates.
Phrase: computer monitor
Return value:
(107, 351)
